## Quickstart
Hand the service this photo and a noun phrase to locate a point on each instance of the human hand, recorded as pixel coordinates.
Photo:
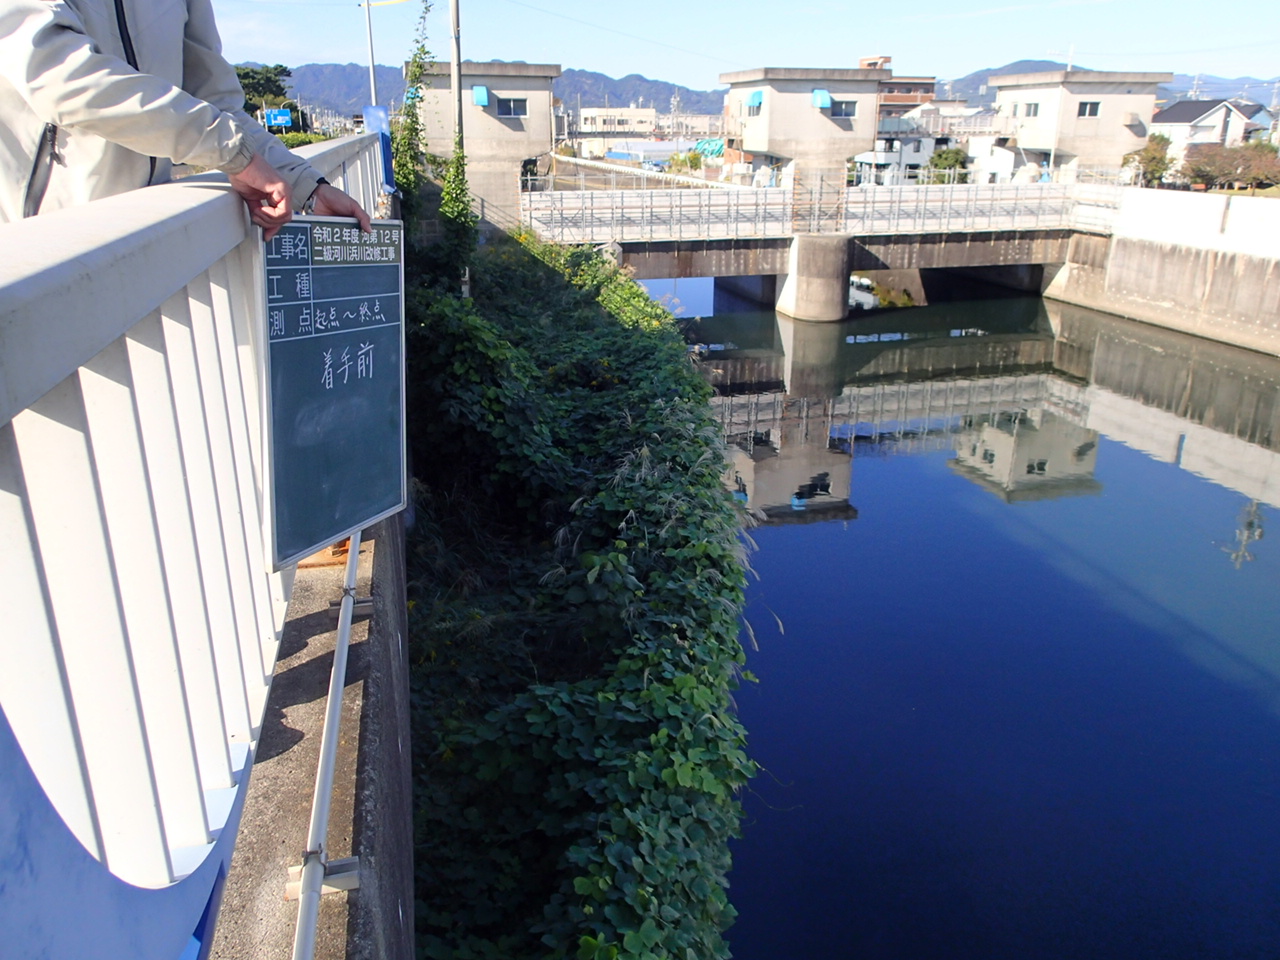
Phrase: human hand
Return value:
(332, 202)
(266, 194)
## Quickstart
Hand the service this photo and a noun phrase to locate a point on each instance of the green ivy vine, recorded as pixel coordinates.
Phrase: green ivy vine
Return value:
(577, 579)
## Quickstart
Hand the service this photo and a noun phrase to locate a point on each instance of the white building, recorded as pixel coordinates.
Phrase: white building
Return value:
(508, 119)
(810, 121)
(901, 152)
(1226, 123)
(617, 121)
(1080, 119)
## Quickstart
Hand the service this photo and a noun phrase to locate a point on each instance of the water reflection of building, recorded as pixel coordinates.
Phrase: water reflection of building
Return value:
(1027, 455)
(788, 473)
(1022, 409)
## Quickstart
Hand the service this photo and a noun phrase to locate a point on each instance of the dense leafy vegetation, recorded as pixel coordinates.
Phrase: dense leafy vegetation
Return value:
(576, 584)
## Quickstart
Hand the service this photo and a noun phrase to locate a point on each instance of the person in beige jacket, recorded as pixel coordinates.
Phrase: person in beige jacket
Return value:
(98, 97)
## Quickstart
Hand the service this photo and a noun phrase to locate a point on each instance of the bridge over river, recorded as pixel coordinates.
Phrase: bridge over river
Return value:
(814, 236)
(1208, 265)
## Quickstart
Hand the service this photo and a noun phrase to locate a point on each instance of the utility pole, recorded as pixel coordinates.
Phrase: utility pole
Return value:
(455, 72)
(373, 82)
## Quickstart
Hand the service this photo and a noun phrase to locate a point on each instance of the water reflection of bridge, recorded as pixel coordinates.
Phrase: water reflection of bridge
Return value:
(1021, 402)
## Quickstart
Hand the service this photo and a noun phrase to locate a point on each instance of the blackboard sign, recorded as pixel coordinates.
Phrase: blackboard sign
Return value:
(335, 381)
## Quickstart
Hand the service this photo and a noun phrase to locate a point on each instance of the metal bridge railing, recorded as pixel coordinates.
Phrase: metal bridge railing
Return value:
(604, 216)
(141, 615)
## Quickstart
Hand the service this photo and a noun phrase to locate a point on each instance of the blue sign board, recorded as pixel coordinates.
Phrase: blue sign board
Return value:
(335, 381)
(279, 118)
(377, 120)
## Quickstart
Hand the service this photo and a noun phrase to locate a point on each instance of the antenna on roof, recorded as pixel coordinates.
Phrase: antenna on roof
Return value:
(1070, 55)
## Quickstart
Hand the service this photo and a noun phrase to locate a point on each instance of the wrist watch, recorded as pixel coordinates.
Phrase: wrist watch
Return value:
(309, 207)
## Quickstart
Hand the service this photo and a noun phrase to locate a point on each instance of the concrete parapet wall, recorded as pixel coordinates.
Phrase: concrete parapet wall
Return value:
(382, 924)
(1204, 221)
(1227, 296)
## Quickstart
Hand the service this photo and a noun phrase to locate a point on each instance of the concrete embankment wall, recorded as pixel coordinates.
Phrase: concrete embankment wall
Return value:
(1206, 265)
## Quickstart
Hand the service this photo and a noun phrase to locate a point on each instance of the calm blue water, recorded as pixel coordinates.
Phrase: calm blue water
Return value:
(1010, 714)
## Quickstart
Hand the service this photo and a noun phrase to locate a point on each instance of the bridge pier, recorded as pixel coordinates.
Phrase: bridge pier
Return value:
(816, 284)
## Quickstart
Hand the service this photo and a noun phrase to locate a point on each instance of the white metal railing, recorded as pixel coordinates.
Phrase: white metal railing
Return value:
(141, 615)
(603, 216)
(956, 207)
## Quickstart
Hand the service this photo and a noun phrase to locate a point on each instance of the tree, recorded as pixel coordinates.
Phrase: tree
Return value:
(1216, 166)
(1261, 164)
(1152, 161)
(1210, 164)
(263, 84)
(950, 159)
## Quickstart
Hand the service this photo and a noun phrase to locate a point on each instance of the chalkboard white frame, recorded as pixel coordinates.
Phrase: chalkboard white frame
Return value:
(343, 527)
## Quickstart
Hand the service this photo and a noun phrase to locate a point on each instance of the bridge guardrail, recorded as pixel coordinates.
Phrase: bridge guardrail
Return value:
(142, 616)
(603, 216)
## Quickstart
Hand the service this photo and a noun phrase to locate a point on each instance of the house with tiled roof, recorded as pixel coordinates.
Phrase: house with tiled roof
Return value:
(1227, 123)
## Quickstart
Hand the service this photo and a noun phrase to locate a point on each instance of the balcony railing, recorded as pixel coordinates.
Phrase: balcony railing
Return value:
(142, 616)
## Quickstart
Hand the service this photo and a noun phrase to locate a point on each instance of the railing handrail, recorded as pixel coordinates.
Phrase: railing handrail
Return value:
(187, 226)
(143, 614)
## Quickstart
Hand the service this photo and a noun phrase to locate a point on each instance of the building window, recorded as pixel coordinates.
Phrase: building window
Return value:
(915, 147)
(1015, 109)
(1087, 108)
(844, 108)
(513, 108)
(1037, 467)
(753, 110)
(1033, 110)
(623, 123)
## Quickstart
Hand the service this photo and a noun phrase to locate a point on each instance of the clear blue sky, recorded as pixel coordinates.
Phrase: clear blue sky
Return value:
(692, 43)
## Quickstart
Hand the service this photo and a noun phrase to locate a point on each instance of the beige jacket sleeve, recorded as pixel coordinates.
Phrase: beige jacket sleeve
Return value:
(208, 76)
(49, 58)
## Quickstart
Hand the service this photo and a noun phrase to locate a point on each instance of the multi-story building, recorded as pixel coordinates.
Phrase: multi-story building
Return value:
(901, 153)
(629, 122)
(899, 94)
(804, 121)
(508, 120)
(1079, 119)
(1227, 123)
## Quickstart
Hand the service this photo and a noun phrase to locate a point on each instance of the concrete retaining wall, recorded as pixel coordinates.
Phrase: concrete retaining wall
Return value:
(382, 924)
(1226, 296)
(1202, 264)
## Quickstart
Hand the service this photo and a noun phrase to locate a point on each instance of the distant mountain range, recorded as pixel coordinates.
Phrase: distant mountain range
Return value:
(976, 89)
(345, 87)
(598, 90)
